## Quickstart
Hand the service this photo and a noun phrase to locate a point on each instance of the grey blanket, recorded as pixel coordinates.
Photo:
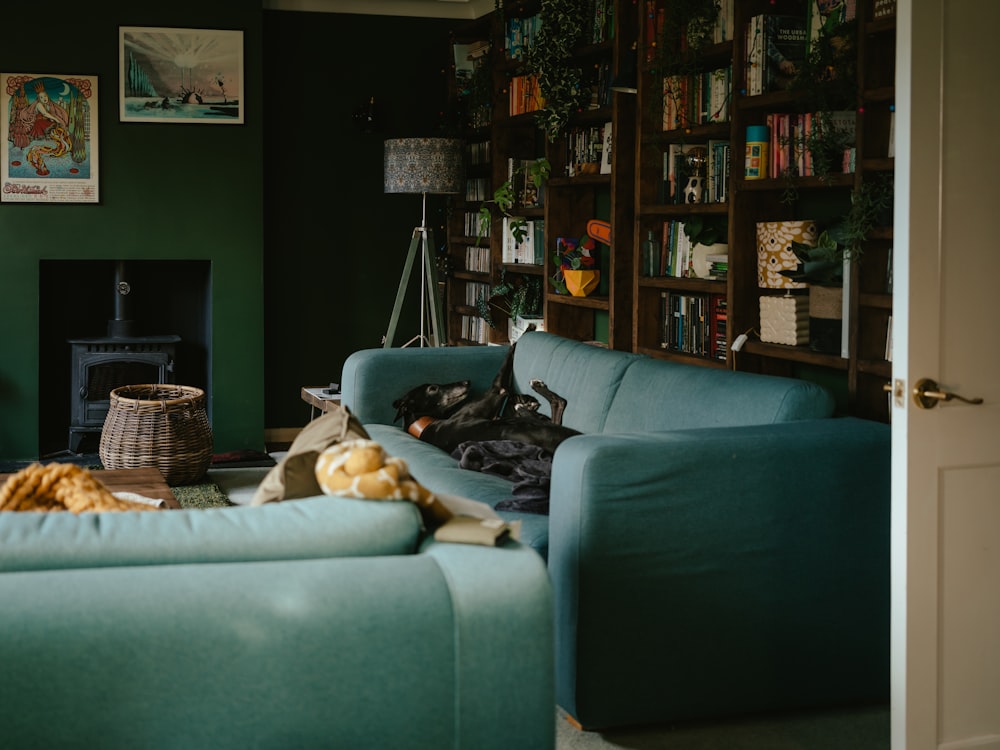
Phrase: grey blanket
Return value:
(528, 467)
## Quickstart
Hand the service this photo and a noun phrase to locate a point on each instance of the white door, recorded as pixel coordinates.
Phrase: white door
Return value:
(946, 460)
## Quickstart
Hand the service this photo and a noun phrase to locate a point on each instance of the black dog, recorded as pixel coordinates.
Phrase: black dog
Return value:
(445, 415)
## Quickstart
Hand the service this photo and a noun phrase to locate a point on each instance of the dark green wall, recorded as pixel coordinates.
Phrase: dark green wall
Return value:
(168, 192)
(308, 251)
(334, 242)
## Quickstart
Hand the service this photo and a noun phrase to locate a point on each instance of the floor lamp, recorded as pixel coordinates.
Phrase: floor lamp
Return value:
(422, 165)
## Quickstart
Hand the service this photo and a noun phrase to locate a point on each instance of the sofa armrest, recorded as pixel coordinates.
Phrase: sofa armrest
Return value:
(492, 591)
(373, 378)
(381, 652)
(713, 571)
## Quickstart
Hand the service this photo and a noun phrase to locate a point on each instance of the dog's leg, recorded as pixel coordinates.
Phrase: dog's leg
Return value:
(556, 402)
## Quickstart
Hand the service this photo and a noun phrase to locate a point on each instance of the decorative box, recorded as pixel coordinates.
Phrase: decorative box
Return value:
(774, 251)
(784, 320)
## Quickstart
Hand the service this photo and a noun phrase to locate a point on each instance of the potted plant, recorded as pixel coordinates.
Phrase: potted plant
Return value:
(576, 267)
(822, 265)
(707, 236)
(518, 299)
(505, 198)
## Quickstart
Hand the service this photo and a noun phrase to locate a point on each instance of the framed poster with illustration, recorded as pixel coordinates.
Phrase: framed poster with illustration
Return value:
(49, 139)
(180, 75)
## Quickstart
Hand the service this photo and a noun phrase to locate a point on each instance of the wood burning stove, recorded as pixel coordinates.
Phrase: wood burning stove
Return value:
(99, 365)
(102, 364)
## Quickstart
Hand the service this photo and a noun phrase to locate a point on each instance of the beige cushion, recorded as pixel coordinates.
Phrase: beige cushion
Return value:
(295, 474)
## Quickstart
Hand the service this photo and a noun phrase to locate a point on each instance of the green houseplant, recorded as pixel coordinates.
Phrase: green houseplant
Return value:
(519, 298)
(822, 265)
(551, 60)
(505, 199)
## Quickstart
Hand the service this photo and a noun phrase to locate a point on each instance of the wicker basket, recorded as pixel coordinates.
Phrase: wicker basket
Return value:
(158, 425)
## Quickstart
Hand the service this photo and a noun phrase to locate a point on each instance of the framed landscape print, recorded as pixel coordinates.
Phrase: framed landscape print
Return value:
(49, 142)
(180, 75)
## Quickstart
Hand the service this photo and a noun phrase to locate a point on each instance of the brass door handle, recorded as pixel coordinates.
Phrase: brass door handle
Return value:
(926, 395)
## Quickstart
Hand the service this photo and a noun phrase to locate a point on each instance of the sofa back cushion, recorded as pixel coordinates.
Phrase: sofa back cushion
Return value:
(666, 395)
(318, 527)
(586, 376)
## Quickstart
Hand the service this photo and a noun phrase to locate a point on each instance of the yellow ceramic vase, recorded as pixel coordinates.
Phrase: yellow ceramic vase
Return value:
(581, 283)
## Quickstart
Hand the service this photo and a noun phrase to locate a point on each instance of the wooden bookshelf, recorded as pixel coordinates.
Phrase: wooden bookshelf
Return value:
(627, 310)
(858, 376)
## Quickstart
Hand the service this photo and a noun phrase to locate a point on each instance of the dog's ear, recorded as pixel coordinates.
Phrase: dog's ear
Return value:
(398, 406)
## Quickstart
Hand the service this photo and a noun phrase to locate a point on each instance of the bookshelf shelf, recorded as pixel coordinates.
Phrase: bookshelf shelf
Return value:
(801, 354)
(671, 209)
(706, 286)
(528, 268)
(471, 276)
(592, 302)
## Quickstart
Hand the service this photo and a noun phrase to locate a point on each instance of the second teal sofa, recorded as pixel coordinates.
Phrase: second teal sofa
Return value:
(718, 542)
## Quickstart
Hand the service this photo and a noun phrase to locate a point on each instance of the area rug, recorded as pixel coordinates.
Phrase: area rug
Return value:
(206, 495)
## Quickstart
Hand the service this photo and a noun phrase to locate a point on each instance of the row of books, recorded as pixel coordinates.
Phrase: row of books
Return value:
(588, 150)
(474, 290)
(477, 153)
(477, 188)
(791, 138)
(520, 36)
(674, 255)
(477, 259)
(776, 48)
(778, 44)
(721, 31)
(707, 161)
(524, 95)
(531, 250)
(475, 329)
(600, 86)
(697, 98)
(694, 324)
(472, 225)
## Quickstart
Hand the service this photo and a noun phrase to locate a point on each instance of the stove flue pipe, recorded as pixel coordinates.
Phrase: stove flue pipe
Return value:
(121, 325)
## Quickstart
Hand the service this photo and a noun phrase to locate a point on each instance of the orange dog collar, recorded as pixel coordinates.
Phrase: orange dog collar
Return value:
(417, 427)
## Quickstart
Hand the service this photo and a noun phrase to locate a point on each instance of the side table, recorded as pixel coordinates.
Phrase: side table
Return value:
(317, 399)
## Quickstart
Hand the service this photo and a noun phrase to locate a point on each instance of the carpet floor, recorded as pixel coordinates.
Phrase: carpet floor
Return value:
(865, 728)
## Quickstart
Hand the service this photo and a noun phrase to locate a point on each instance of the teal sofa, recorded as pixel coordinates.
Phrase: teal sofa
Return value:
(315, 623)
(718, 542)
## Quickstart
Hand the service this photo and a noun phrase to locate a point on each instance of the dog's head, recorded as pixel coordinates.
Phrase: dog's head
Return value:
(435, 400)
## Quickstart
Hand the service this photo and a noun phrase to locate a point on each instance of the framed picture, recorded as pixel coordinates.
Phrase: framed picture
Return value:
(180, 75)
(49, 142)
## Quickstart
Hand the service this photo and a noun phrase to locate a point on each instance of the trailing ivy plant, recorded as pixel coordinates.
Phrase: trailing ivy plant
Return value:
(685, 33)
(827, 78)
(563, 23)
(870, 204)
(823, 263)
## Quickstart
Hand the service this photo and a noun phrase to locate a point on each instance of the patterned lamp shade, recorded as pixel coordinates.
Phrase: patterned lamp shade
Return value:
(774, 251)
(423, 165)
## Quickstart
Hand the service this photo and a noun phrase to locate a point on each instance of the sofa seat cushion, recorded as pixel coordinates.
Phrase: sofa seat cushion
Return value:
(318, 527)
(439, 472)
(663, 395)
